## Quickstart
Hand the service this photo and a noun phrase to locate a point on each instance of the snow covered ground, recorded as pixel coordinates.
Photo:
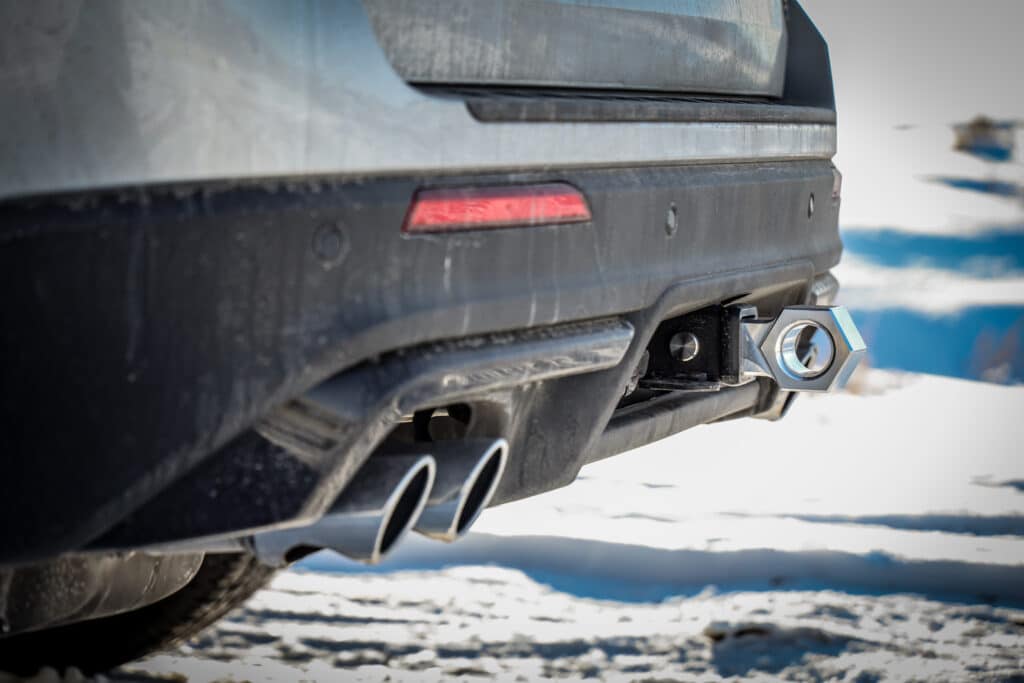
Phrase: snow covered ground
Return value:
(900, 82)
(876, 535)
(481, 623)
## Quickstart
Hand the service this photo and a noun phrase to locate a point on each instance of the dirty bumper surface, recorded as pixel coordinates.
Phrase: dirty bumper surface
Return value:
(194, 311)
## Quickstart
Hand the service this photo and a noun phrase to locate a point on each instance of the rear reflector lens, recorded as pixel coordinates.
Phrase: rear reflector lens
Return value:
(476, 208)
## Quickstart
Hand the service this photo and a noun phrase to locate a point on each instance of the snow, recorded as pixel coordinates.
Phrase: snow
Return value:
(900, 84)
(876, 534)
(838, 473)
(867, 286)
(488, 623)
(843, 542)
(903, 191)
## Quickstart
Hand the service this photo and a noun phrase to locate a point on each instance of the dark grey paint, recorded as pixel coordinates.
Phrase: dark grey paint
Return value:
(144, 331)
(731, 46)
(116, 92)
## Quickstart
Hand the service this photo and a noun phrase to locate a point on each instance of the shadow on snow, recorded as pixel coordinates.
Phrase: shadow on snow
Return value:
(614, 571)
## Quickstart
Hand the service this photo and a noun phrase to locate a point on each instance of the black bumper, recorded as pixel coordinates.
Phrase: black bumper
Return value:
(145, 332)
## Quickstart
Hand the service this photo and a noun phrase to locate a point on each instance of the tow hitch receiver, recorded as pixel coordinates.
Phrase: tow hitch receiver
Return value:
(805, 348)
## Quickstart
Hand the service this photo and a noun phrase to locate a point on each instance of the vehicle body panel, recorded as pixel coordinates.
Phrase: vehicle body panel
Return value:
(730, 46)
(201, 210)
(117, 93)
(167, 321)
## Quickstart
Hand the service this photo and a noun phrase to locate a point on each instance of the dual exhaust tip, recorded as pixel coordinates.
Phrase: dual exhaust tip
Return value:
(440, 495)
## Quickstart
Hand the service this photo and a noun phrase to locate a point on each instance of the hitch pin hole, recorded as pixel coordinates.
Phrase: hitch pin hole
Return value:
(806, 350)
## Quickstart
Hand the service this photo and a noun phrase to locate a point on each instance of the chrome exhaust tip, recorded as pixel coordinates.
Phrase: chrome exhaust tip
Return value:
(468, 473)
(381, 503)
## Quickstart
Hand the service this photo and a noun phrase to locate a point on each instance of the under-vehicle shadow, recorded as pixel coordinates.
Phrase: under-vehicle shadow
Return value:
(629, 573)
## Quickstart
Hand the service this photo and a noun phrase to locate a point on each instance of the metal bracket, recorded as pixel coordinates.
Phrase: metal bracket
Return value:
(806, 348)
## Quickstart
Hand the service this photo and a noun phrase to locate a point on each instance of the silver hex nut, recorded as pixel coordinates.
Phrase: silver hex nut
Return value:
(847, 348)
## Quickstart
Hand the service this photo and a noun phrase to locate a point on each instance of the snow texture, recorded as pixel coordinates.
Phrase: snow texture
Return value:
(838, 544)
(489, 623)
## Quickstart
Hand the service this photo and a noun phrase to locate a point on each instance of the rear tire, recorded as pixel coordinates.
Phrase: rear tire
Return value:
(222, 583)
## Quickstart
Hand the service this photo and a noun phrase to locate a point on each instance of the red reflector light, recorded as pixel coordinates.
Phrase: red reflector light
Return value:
(476, 208)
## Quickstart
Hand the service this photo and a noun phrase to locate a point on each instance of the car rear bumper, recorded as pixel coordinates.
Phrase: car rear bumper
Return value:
(147, 333)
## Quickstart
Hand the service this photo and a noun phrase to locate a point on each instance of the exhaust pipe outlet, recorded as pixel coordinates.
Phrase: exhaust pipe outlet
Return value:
(381, 503)
(468, 472)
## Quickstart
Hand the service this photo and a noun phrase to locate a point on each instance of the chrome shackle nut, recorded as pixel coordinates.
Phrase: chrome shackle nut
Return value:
(806, 348)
